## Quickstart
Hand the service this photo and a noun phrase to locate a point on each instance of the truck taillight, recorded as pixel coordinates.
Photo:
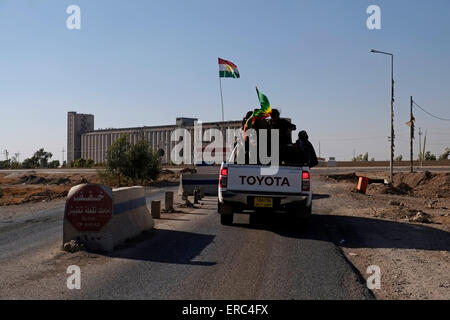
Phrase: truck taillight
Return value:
(305, 181)
(224, 172)
(223, 177)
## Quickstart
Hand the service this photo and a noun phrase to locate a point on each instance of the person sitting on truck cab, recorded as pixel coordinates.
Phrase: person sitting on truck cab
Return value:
(306, 151)
(285, 129)
(244, 121)
(283, 125)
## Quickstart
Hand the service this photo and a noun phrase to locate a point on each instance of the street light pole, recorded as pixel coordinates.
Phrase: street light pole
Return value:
(411, 136)
(391, 166)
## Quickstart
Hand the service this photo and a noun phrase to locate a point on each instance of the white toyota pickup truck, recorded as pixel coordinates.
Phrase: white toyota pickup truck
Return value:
(243, 188)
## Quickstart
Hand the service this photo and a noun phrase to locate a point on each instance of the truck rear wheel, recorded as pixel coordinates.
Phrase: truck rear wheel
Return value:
(224, 208)
(226, 219)
(308, 212)
(303, 216)
(253, 219)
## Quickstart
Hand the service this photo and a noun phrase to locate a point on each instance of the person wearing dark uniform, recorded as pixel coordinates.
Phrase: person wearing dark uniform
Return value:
(285, 129)
(244, 121)
(306, 151)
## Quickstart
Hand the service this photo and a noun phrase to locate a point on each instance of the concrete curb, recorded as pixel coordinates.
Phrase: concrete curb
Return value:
(129, 216)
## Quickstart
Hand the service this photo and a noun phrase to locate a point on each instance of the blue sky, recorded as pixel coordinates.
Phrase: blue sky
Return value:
(139, 63)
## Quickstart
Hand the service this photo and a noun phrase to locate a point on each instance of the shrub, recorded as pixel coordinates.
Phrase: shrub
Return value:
(429, 156)
(361, 157)
(116, 156)
(89, 163)
(79, 163)
(142, 162)
(126, 162)
(445, 155)
(54, 164)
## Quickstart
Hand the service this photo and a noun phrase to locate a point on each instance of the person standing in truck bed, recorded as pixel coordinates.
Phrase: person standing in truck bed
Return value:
(285, 129)
(306, 151)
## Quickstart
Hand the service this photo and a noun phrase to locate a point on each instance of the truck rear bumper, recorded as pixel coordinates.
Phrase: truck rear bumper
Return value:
(245, 201)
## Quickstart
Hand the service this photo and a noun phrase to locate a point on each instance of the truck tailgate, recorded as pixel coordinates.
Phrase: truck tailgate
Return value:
(248, 178)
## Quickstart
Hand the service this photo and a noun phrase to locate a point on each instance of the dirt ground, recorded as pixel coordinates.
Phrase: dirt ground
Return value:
(426, 163)
(403, 229)
(18, 188)
(32, 187)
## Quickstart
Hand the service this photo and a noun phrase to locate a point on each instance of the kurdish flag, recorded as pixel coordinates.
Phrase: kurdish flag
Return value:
(228, 69)
(261, 113)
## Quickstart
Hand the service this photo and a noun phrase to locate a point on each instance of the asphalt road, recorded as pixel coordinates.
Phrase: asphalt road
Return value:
(24, 231)
(187, 256)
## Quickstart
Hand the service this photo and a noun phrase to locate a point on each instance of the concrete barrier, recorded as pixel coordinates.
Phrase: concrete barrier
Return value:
(102, 218)
(168, 201)
(156, 209)
(208, 182)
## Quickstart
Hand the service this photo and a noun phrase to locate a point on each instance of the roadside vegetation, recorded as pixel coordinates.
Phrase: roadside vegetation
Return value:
(432, 157)
(80, 163)
(130, 164)
(361, 157)
(40, 159)
(427, 157)
(126, 165)
(445, 155)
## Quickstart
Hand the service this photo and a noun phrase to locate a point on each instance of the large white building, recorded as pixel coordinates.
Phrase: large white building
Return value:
(85, 142)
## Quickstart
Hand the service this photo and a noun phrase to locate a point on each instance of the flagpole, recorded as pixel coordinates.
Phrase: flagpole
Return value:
(221, 97)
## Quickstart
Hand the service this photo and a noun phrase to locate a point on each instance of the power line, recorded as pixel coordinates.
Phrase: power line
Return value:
(349, 139)
(440, 130)
(430, 114)
(439, 144)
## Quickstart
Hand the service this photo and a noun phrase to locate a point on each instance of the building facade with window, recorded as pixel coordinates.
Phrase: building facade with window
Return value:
(85, 142)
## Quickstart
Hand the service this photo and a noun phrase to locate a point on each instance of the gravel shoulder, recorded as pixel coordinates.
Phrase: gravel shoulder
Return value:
(381, 229)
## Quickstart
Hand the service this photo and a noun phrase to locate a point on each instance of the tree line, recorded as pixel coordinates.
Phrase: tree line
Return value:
(125, 162)
(40, 159)
(428, 156)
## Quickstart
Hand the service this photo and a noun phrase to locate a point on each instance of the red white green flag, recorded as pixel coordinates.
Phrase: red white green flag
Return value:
(228, 69)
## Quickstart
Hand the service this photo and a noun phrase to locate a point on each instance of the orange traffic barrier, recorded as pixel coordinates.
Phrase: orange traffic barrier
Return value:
(362, 184)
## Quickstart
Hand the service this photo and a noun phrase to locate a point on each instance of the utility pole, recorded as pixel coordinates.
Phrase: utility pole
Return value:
(62, 155)
(424, 143)
(6, 154)
(420, 146)
(319, 149)
(17, 155)
(411, 123)
(391, 166)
